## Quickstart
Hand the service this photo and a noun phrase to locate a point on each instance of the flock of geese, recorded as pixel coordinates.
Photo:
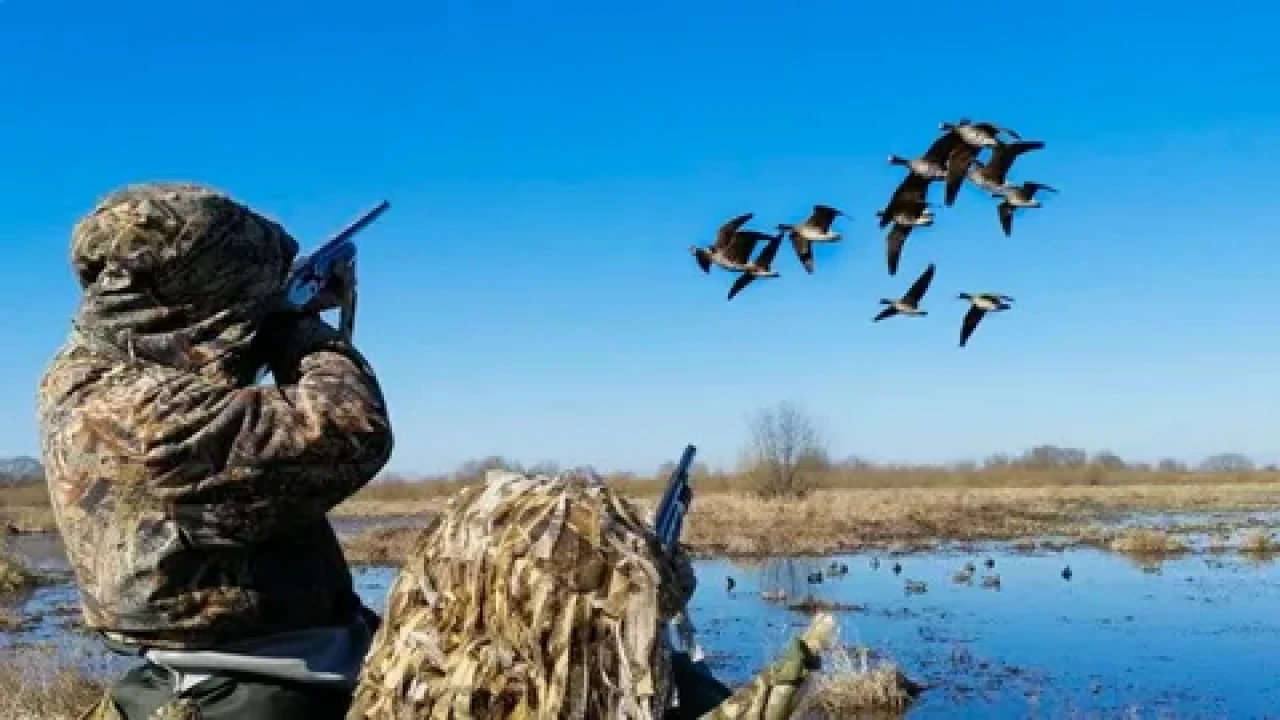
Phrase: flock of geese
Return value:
(952, 158)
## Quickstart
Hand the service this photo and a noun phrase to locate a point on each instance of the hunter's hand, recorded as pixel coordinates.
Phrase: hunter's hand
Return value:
(331, 296)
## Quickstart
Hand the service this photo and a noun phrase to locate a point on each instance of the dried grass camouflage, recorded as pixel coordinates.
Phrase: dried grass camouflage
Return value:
(530, 597)
(192, 502)
(542, 597)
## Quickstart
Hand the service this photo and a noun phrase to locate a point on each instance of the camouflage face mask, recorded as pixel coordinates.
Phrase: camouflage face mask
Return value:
(177, 274)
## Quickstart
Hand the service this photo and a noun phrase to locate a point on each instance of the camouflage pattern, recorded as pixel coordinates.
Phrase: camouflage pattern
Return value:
(779, 690)
(538, 597)
(191, 501)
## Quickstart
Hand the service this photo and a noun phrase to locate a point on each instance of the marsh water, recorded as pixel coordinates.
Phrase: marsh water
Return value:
(1196, 636)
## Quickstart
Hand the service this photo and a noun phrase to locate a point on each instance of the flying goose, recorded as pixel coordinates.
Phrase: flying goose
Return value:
(903, 223)
(732, 248)
(991, 176)
(761, 266)
(978, 134)
(815, 228)
(908, 304)
(979, 305)
(909, 199)
(1018, 196)
(932, 165)
(973, 137)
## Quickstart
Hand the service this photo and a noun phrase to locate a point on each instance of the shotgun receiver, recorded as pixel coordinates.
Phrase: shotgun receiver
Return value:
(668, 522)
(336, 257)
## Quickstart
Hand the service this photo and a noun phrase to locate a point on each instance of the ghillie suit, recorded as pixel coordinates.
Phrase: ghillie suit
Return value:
(193, 502)
(539, 597)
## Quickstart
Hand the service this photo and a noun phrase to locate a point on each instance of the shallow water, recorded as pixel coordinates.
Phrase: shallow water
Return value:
(1193, 637)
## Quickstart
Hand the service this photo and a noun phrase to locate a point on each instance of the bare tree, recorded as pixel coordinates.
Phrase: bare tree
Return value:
(786, 451)
(1227, 462)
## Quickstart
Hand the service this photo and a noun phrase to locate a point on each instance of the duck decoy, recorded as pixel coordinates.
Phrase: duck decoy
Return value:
(1015, 197)
(897, 568)
(970, 567)
(875, 563)
(963, 576)
(915, 586)
(762, 266)
(990, 563)
(729, 584)
(908, 304)
(1066, 573)
(815, 229)
(979, 305)
(732, 248)
(991, 581)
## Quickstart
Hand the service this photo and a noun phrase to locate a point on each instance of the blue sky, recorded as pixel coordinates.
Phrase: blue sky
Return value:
(531, 293)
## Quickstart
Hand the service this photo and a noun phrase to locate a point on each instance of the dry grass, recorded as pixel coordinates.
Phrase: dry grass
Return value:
(850, 686)
(742, 525)
(36, 684)
(1147, 542)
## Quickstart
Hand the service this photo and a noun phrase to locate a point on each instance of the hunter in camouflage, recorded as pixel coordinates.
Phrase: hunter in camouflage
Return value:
(192, 501)
(541, 597)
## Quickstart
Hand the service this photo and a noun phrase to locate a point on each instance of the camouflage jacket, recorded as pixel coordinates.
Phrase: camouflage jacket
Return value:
(193, 503)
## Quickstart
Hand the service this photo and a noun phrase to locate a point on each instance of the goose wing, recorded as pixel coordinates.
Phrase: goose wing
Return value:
(1005, 211)
(958, 162)
(1003, 155)
(725, 236)
(891, 310)
(917, 290)
(822, 217)
(971, 320)
(764, 260)
(742, 245)
(804, 251)
(743, 280)
(913, 191)
(894, 241)
(941, 148)
(1032, 186)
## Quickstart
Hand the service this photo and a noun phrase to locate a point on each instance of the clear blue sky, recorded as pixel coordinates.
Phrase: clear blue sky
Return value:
(531, 293)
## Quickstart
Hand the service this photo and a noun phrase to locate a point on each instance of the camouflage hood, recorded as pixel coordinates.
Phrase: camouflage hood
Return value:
(530, 597)
(179, 275)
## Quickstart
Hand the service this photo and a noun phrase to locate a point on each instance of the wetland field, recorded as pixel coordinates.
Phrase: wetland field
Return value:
(1167, 609)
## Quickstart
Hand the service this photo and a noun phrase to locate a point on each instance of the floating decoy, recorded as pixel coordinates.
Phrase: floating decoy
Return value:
(729, 584)
(990, 563)
(915, 586)
(1066, 573)
(979, 305)
(908, 304)
(897, 568)
(991, 581)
